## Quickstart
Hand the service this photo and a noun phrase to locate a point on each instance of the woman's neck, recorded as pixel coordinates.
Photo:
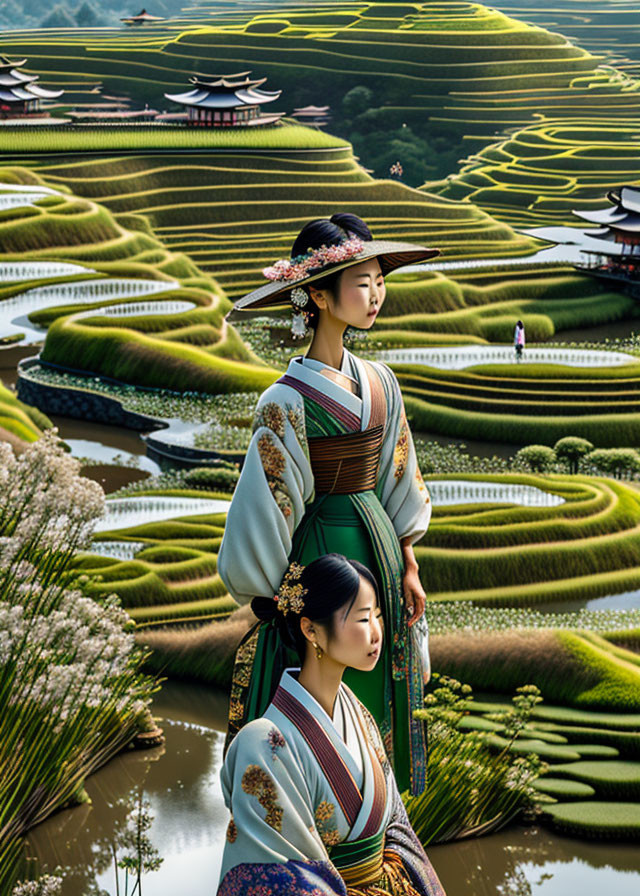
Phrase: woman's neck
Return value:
(322, 678)
(326, 345)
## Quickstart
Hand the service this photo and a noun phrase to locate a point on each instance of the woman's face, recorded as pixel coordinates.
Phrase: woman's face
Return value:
(356, 639)
(361, 291)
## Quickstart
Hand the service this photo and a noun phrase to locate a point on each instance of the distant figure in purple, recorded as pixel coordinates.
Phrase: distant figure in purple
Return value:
(518, 340)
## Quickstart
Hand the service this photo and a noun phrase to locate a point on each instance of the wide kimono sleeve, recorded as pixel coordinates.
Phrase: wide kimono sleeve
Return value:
(272, 843)
(403, 492)
(269, 499)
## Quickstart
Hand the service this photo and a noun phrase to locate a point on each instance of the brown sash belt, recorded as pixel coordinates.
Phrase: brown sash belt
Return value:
(348, 463)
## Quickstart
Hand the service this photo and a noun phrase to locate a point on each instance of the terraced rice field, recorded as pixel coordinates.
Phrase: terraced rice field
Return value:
(187, 330)
(608, 28)
(19, 421)
(441, 56)
(586, 546)
(583, 542)
(457, 71)
(461, 357)
(544, 171)
(534, 403)
(593, 759)
(234, 212)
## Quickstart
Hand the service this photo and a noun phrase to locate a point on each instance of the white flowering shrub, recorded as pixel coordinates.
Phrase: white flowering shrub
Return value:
(71, 691)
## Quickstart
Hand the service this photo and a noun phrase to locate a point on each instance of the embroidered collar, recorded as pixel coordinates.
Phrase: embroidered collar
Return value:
(307, 370)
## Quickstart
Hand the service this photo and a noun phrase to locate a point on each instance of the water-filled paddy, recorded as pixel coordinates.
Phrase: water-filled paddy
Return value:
(122, 513)
(134, 511)
(181, 781)
(14, 271)
(459, 357)
(467, 491)
(15, 311)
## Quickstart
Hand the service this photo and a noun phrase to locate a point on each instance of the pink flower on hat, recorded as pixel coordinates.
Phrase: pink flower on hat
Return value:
(299, 267)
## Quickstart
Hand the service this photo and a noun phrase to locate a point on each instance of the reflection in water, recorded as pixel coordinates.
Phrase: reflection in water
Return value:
(472, 491)
(535, 862)
(121, 513)
(627, 600)
(457, 357)
(181, 782)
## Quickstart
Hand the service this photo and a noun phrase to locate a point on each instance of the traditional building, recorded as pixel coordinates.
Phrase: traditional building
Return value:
(316, 115)
(105, 114)
(226, 101)
(19, 94)
(611, 250)
(143, 18)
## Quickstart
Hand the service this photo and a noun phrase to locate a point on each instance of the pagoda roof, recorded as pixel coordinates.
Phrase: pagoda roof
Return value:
(624, 214)
(5, 62)
(571, 236)
(143, 16)
(225, 92)
(16, 87)
(311, 110)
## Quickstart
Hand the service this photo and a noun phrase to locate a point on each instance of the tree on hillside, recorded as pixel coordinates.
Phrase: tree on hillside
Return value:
(60, 17)
(87, 17)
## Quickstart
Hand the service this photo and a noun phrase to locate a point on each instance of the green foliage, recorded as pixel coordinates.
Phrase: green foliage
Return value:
(619, 462)
(538, 458)
(570, 449)
(472, 790)
(221, 478)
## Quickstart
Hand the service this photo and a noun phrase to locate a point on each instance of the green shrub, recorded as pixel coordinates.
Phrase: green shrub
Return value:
(221, 478)
(537, 458)
(570, 449)
(619, 462)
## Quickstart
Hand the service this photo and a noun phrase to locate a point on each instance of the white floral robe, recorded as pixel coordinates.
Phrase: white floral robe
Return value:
(298, 792)
(275, 508)
(277, 480)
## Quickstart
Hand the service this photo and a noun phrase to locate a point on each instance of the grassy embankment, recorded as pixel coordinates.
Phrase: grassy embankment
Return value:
(504, 555)
(186, 350)
(235, 209)
(455, 72)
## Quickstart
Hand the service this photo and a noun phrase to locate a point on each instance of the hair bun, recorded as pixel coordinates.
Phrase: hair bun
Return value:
(351, 224)
(265, 608)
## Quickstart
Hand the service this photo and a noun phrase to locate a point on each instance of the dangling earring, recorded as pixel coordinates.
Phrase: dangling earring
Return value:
(319, 651)
(300, 319)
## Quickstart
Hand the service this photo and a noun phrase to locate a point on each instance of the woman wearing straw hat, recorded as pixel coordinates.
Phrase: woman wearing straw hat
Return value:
(332, 468)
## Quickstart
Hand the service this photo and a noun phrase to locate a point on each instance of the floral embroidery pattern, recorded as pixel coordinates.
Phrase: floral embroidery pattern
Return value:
(276, 741)
(266, 879)
(273, 463)
(256, 782)
(401, 451)
(242, 668)
(296, 419)
(281, 498)
(326, 823)
(232, 831)
(272, 458)
(421, 486)
(272, 416)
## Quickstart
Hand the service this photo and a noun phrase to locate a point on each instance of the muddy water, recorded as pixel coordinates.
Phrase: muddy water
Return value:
(181, 781)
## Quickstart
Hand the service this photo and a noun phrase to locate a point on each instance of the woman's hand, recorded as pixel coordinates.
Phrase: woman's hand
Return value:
(414, 595)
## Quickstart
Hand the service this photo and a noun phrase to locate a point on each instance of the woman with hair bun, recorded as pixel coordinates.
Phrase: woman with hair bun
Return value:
(315, 808)
(332, 467)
